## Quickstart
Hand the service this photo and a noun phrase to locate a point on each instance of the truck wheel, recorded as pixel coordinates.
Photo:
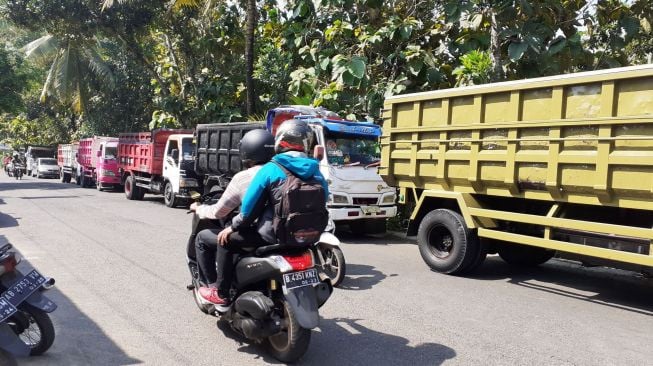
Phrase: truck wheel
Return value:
(131, 191)
(82, 180)
(169, 196)
(524, 256)
(445, 242)
(68, 178)
(98, 186)
(62, 177)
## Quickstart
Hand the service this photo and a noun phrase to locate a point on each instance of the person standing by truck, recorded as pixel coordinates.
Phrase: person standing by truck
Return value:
(256, 148)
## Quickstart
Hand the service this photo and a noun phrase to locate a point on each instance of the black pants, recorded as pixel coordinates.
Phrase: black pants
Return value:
(211, 255)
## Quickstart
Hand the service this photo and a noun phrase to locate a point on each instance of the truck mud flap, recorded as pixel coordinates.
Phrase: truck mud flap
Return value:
(303, 301)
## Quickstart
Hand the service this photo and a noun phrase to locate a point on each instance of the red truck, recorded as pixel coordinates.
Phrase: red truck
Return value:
(158, 162)
(97, 162)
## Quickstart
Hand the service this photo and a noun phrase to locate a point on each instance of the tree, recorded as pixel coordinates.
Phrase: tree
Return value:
(13, 81)
(252, 20)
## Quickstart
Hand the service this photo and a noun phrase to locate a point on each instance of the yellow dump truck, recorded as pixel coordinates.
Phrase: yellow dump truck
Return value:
(527, 168)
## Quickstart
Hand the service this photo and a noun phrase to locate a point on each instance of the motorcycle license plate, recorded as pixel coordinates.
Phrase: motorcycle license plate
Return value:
(18, 292)
(300, 279)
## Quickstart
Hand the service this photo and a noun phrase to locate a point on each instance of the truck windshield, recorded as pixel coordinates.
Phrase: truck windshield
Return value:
(187, 148)
(349, 150)
(110, 152)
(48, 162)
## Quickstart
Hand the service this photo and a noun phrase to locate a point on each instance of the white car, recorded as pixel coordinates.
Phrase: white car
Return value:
(46, 168)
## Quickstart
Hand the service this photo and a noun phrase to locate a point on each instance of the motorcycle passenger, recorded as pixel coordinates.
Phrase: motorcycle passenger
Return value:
(256, 148)
(293, 141)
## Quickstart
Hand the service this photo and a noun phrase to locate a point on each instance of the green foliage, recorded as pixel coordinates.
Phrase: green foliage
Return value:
(110, 66)
(475, 68)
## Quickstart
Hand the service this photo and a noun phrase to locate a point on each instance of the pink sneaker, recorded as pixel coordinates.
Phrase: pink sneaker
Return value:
(210, 294)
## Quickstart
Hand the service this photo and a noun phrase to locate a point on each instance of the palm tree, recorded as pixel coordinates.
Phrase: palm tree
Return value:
(249, 55)
(75, 68)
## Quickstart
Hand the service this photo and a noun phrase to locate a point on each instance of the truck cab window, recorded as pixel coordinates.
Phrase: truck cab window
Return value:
(172, 145)
(351, 150)
(187, 149)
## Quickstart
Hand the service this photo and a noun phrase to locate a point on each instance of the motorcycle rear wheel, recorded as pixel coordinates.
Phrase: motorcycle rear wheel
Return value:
(334, 266)
(291, 343)
(37, 332)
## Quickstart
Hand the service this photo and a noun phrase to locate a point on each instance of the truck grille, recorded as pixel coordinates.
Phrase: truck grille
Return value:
(365, 200)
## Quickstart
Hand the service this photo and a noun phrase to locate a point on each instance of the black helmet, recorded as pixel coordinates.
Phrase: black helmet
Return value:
(293, 135)
(256, 147)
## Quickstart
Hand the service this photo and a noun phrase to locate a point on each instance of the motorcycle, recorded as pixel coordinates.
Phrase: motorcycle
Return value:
(18, 171)
(25, 326)
(276, 293)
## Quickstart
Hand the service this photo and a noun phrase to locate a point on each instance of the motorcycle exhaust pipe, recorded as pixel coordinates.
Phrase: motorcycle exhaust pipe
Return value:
(48, 284)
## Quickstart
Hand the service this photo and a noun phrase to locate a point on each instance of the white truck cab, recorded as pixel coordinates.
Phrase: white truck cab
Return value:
(357, 194)
(178, 165)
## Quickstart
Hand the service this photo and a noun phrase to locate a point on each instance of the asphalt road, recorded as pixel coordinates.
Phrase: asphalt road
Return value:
(121, 291)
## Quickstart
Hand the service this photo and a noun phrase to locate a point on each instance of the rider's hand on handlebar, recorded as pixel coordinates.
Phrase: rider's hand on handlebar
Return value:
(193, 206)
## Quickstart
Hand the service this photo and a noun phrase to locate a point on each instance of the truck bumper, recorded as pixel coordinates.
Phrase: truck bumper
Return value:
(107, 180)
(357, 213)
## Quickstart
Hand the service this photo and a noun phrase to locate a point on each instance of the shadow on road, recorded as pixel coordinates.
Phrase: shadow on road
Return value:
(27, 184)
(344, 341)
(7, 220)
(362, 277)
(48, 197)
(609, 287)
(375, 239)
(78, 340)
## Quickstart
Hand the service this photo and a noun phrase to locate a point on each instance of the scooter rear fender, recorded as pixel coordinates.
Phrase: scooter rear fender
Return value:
(303, 302)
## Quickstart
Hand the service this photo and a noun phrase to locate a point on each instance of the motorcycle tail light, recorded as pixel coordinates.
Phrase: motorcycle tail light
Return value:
(9, 263)
(300, 262)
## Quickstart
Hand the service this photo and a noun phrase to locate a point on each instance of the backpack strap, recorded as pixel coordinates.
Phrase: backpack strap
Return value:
(285, 170)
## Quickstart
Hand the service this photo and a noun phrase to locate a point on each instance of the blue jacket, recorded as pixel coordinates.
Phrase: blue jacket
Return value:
(261, 196)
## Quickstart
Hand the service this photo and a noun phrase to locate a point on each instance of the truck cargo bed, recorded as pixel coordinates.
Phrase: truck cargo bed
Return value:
(581, 138)
(143, 151)
(217, 147)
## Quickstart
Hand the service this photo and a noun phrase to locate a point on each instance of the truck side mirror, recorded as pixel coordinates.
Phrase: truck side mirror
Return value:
(175, 155)
(99, 154)
(318, 152)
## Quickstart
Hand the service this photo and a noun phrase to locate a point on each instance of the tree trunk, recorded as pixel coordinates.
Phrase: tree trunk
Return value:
(495, 48)
(249, 55)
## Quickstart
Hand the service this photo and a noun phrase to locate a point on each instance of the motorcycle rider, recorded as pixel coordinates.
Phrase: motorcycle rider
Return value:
(256, 148)
(292, 142)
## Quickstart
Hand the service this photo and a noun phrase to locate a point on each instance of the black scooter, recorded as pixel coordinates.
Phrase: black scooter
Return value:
(276, 293)
(18, 171)
(25, 327)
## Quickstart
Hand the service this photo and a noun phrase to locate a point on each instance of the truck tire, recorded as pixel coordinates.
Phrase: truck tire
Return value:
(62, 177)
(68, 178)
(446, 244)
(132, 192)
(82, 180)
(524, 256)
(169, 196)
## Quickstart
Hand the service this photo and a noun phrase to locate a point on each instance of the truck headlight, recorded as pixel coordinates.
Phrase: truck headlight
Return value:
(185, 183)
(338, 198)
(390, 198)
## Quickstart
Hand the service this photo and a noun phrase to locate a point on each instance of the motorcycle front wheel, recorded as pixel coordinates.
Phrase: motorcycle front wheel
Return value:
(292, 342)
(34, 328)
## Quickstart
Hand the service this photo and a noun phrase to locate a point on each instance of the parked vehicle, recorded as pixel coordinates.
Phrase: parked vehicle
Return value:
(158, 162)
(97, 162)
(358, 195)
(67, 161)
(35, 152)
(46, 168)
(25, 325)
(529, 167)
(276, 294)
